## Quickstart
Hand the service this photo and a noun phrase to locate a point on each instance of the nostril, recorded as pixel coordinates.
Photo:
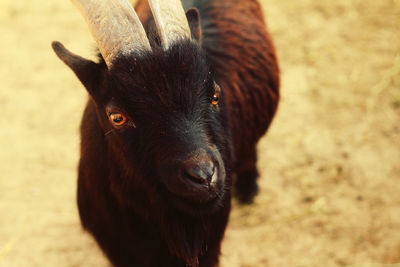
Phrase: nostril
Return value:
(199, 174)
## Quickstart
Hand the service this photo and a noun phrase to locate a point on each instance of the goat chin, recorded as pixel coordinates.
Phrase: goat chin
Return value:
(195, 208)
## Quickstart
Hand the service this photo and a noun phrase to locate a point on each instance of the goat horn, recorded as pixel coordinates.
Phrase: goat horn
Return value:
(171, 21)
(115, 26)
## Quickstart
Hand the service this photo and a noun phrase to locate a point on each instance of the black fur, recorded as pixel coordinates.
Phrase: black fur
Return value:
(167, 95)
(126, 173)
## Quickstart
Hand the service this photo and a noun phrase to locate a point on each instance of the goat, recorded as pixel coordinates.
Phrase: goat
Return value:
(179, 98)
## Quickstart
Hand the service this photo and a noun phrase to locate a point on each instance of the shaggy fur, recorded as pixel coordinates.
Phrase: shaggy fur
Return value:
(166, 95)
(120, 196)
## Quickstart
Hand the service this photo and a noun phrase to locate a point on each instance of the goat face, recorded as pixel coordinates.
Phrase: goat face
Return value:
(162, 117)
(172, 132)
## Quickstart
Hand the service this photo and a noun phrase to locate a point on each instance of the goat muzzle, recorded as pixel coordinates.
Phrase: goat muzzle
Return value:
(198, 178)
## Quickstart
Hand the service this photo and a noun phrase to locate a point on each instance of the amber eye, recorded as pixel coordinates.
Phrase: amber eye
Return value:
(215, 98)
(117, 119)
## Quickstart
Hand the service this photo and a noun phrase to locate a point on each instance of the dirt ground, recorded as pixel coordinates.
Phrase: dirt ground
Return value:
(330, 172)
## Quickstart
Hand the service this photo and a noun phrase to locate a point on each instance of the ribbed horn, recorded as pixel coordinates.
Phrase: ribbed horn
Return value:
(115, 27)
(170, 21)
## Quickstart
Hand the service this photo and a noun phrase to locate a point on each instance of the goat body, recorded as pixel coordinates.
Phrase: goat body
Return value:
(203, 103)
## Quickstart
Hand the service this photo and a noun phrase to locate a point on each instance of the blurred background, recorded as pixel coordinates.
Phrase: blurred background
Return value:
(330, 164)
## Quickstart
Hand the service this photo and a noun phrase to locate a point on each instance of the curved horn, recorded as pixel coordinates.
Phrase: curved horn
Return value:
(115, 26)
(170, 20)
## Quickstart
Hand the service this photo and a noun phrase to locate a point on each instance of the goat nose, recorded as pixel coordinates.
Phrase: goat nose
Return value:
(200, 173)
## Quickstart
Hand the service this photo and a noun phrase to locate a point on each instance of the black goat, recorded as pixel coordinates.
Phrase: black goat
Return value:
(175, 112)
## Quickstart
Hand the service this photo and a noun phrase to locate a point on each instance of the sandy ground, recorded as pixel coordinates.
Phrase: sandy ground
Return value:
(330, 185)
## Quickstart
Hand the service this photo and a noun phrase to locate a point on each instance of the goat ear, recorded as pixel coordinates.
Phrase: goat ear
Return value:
(87, 71)
(193, 17)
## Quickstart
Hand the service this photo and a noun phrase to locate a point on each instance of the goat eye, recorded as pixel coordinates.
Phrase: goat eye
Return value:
(215, 98)
(117, 119)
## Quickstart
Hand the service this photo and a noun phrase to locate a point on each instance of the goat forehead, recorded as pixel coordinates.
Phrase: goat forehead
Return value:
(164, 89)
(182, 64)
(163, 81)
(159, 94)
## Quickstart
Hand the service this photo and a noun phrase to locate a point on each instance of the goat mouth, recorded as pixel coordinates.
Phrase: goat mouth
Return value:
(193, 206)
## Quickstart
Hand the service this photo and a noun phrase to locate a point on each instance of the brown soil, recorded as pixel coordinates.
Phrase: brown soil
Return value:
(330, 172)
